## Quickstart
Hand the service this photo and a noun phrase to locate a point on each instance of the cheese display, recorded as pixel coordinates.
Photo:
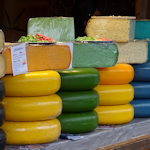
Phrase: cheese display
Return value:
(32, 108)
(118, 74)
(116, 28)
(20, 133)
(115, 114)
(58, 28)
(115, 94)
(2, 90)
(2, 40)
(2, 139)
(78, 122)
(141, 108)
(79, 79)
(2, 65)
(91, 54)
(38, 83)
(42, 57)
(79, 101)
(132, 52)
(2, 115)
(142, 72)
(141, 90)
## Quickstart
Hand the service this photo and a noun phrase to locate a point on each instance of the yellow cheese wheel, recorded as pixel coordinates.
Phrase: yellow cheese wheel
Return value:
(32, 84)
(118, 74)
(115, 114)
(20, 133)
(32, 108)
(115, 94)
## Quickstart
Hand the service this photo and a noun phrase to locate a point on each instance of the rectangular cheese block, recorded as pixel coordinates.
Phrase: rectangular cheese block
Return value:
(118, 29)
(133, 52)
(142, 29)
(61, 29)
(42, 57)
(101, 54)
(2, 65)
(2, 40)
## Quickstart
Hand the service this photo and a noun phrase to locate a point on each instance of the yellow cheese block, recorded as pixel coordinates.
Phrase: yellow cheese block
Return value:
(118, 74)
(32, 84)
(115, 94)
(2, 65)
(115, 114)
(42, 57)
(32, 108)
(20, 133)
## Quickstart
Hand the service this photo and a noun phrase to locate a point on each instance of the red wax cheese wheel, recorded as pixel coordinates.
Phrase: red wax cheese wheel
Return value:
(42, 57)
(118, 74)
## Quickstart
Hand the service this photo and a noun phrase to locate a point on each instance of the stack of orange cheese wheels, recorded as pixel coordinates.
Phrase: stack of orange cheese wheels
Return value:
(115, 93)
(31, 107)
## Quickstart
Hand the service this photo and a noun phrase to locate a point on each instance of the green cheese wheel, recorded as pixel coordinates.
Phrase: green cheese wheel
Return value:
(77, 123)
(79, 79)
(2, 90)
(79, 101)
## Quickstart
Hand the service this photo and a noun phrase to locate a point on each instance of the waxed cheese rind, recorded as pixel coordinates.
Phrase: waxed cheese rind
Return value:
(2, 40)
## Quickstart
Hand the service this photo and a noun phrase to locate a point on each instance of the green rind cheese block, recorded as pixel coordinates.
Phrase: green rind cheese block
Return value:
(2, 90)
(61, 29)
(79, 101)
(104, 54)
(78, 79)
(77, 123)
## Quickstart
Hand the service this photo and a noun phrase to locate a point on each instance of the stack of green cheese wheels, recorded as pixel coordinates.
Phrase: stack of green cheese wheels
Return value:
(78, 100)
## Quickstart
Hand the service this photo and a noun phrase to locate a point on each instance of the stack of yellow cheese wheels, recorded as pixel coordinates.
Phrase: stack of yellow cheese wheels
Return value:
(31, 107)
(115, 93)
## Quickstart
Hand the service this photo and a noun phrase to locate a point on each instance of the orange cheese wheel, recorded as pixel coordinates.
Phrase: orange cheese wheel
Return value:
(42, 57)
(118, 74)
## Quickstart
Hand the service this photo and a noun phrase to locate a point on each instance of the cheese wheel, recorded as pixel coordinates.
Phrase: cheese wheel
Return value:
(42, 57)
(2, 40)
(115, 94)
(2, 115)
(2, 65)
(118, 74)
(21, 133)
(32, 84)
(115, 114)
(2, 139)
(32, 108)
(141, 108)
(142, 72)
(141, 90)
(2, 90)
(79, 101)
(78, 122)
(79, 79)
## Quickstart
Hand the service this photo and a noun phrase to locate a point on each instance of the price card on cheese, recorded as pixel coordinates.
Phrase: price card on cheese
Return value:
(19, 59)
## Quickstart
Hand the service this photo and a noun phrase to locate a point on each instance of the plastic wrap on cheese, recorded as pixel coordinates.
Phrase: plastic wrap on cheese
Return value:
(2, 40)
(61, 29)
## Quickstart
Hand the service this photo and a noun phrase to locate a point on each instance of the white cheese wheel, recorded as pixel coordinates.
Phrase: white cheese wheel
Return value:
(2, 40)
(2, 65)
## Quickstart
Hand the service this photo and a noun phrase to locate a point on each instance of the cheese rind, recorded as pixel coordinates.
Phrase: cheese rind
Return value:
(132, 52)
(2, 40)
(2, 65)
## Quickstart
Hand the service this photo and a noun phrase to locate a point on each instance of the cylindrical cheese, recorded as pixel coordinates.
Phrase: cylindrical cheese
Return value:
(2, 65)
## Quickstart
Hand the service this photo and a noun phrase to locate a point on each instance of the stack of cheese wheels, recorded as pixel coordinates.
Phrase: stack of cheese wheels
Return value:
(115, 94)
(31, 107)
(79, 99)
(141, 84)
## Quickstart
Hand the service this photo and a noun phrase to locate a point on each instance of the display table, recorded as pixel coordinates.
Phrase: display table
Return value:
(100, 138)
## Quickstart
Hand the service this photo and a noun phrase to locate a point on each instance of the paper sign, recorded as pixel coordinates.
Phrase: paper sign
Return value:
(19, 59)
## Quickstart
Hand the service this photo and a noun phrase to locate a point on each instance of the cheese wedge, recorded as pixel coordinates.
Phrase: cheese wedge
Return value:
(42, 57)
(2, 40)
(2, 65)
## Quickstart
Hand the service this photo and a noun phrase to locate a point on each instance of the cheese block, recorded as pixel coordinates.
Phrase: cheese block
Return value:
(2, 139)
(78, 122)
(42, 57)
(112, 115)
(141, 108)
(141, 90)
(32, 108)
(79, 101)
(79, 79)
(2, 65)
(132, 52)
(2, 90)
(2, 40)
(118, 74)
(32, 84)
(115, 94)
(142, 72)
(94, 54)
(116, 28)
(58, 28)
(22, 133)
(2, 115)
